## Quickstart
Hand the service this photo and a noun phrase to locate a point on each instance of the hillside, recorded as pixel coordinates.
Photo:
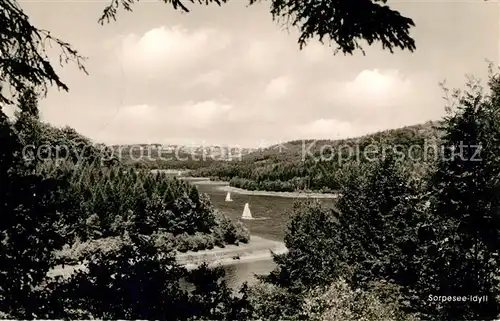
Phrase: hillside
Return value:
(107, 199)
(415, 134)
(158, 156)
(317, 165)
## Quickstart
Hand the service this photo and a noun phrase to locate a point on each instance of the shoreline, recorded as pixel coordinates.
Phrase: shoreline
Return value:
(170, 171)
(242, 260)
(258, 249)
(227, 188)
(224, 186)
(201, 180)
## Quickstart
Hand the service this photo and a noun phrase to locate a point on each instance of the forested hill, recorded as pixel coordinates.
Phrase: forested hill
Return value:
(158, 156)
(106, 198)
(317, 164)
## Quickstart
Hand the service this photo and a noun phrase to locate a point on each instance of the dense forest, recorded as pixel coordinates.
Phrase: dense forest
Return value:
(66, 200)
(113, 199)
(399, 244)
(317, 165)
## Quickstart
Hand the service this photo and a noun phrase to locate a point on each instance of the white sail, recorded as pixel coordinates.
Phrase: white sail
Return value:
(247, 215)
(179, 173)
(228, 197)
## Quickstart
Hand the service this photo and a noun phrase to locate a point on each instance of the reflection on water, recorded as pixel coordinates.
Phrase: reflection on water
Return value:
(239, 273)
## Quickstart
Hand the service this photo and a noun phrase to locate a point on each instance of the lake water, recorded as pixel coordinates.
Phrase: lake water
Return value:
(239, 273)
(277, 209)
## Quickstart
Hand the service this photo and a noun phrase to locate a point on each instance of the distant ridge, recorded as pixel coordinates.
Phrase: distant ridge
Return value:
(218, 152)
(427, 130)
(158, 156)
(297, 165)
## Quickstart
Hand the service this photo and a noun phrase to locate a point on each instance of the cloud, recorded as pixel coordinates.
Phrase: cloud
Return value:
(203, 114)
(326, 129)
(185, 123)
(212, 78)
(370, 100)
(197, 115)
(370, 89)
(261, 56)
(138, 116)
(316, 52)
(377, 88)
(168, 49)
(209, 85)
(383, 98)
(278, 87)
(226, 78)
(131, 122)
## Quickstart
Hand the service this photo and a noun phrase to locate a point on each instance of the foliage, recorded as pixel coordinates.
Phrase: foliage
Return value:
(108, 199)
(358, 239)
(30, 206)
(114, 284)
(380, 208)
(333, 301)
(113, 201)
(430, 235)
(312, 242)
(458, 248)
(342, 22)
(339, 302)
(271, 302)
(392, 241)
(86, 204)
(24, 63)
(139, 281)
(211, 298)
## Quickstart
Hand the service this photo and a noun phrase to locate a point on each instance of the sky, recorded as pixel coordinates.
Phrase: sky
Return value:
(229, 75)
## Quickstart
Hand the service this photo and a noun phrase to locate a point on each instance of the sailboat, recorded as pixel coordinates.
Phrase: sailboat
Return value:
(179, 173)
(228, 197)
(247, 215)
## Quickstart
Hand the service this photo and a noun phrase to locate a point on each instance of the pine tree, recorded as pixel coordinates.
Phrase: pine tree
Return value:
(27, 122)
